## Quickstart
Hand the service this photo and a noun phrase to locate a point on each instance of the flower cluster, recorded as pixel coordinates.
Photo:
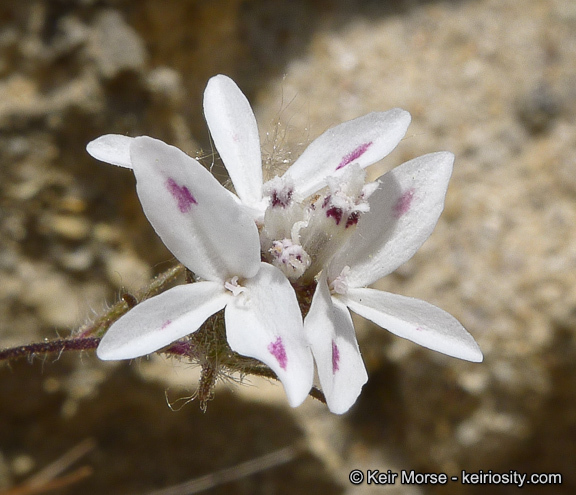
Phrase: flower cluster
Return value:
(287, 259)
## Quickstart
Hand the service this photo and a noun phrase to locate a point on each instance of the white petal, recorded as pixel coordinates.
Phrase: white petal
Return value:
(415, 320)
(235, 133)
(111, 148)
(161, 320)
(364, 141)
(195, 216)
(330, 331)
(264, 322)
(403, 213)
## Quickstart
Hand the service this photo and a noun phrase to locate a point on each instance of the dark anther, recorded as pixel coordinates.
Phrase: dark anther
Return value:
(335, 213)
(352, 219)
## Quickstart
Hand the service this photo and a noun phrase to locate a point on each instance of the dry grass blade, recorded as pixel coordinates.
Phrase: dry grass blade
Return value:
(48, 478)
(239, 471)
(61, 482)
(61, 464)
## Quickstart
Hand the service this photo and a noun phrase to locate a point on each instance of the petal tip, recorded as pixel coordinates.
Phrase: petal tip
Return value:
(111, 350)
(401, 117)
(404, 116)
(111, 148)
(467, 351)
(343, 406)
(220, 78)
(446, 157)
(217, 87)
(295, 399)
(111, 353)
(477, 356)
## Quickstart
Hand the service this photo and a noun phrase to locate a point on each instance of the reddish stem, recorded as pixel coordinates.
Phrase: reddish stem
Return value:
(52, 346)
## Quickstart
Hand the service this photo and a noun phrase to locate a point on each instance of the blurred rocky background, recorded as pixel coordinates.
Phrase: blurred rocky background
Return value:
(493, 81)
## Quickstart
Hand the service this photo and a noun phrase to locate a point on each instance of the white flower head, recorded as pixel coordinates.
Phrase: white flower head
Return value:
(319, 228)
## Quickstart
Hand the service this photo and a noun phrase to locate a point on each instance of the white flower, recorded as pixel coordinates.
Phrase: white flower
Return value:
(404, 209)
(320, 229)
(211, 234)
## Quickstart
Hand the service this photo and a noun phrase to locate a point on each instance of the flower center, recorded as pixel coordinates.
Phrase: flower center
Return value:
(301, 236)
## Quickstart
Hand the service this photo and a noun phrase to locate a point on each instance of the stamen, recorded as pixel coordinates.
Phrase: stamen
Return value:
(352, 219)
(295, 231)
(335, 213)
(232, 286)
(340, 284)
(280, 192)
(281, 198)
(290, 257)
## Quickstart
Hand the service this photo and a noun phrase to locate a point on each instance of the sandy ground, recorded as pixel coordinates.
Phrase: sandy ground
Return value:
(493, 81)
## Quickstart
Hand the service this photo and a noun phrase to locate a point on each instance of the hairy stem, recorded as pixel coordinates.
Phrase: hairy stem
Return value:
(202, 344)
(38, 349)
(98, 327)
(88, 336)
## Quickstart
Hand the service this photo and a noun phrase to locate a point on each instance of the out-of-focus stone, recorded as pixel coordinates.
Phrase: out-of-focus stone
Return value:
(54, 297)
(126, 271)
(166, 86)
(116, 47)
(73, 228)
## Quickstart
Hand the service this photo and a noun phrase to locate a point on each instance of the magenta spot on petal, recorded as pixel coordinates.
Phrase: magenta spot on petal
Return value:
(354, 154)
(419, 329)
(277, 350)
(165, 324)
(181, 194)
(403, 203)
(335, 358)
